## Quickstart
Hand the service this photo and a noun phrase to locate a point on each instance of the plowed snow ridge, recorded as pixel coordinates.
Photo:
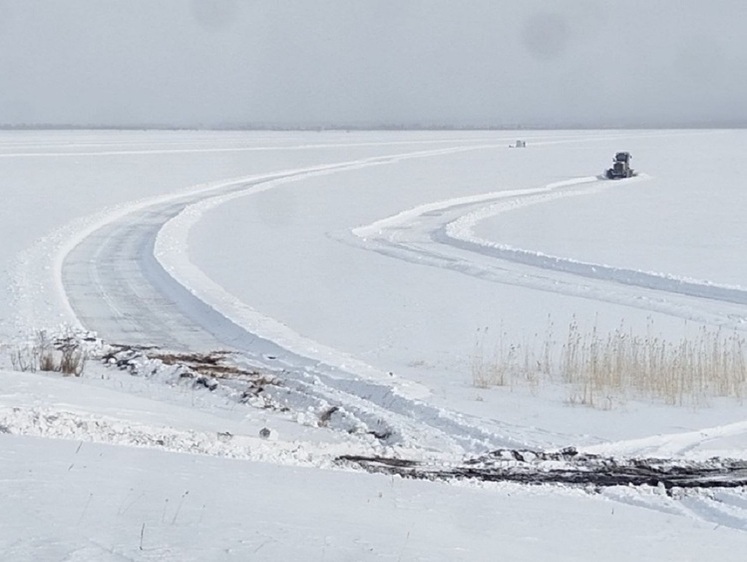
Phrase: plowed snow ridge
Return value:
(128, 277)
(410, 235)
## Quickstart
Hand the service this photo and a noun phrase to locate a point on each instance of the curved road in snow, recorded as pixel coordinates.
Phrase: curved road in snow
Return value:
(441, 235)
(117, 288)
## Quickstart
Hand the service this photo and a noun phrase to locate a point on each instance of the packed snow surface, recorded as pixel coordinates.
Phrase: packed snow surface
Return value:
(341, 286)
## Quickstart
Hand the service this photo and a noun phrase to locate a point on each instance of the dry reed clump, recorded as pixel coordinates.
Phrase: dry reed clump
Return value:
(511, 363)
(63, 355)
(603, 369)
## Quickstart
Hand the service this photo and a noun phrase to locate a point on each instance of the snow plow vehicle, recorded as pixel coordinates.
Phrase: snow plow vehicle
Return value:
(620, 167)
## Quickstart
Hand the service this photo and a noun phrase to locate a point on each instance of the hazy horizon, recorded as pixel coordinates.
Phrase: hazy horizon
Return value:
(372, 63)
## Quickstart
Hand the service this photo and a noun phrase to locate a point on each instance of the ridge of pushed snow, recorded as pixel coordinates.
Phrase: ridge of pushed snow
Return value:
(461, 232)
(172, 253)
(59, 423)
(37, 288)
(407, 216)
(450, 224)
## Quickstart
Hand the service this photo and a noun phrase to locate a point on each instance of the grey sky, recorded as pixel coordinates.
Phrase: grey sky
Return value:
(459, 62)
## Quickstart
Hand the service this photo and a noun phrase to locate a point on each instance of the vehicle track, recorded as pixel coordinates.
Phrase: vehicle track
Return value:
(117, 288)
(440, 235)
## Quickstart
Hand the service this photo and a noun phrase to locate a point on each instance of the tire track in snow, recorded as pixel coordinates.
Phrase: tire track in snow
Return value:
(720, 507)
(128, 277)
(39, 291)
(441, 234)
(461, 233)
(727, 440)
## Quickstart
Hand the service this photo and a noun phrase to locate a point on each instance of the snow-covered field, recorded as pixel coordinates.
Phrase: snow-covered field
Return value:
(362, 273)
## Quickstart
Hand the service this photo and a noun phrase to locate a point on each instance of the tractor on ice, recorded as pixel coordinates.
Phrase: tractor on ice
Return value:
(620, 167)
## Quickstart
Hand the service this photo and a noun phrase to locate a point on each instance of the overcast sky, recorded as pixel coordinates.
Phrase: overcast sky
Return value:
(369, 62)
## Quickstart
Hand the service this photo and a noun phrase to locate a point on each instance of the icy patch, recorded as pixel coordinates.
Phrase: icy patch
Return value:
(37, 291)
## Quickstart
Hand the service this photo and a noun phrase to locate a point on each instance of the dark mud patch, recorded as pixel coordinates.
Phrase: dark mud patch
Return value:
(566, 467)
